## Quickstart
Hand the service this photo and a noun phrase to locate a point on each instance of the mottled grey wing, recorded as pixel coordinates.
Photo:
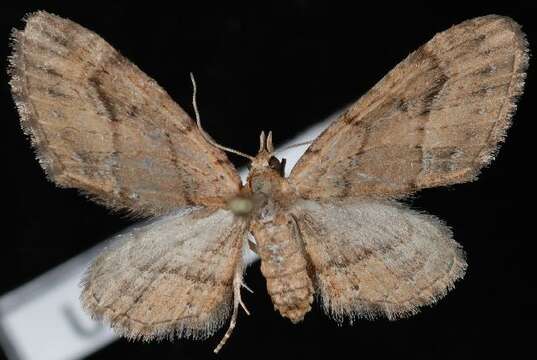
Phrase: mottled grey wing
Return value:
(170, 277)
(374, 258)
(436, 119)
(98, 123)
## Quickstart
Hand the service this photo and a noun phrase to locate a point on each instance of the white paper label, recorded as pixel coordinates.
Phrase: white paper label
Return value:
(43, 320)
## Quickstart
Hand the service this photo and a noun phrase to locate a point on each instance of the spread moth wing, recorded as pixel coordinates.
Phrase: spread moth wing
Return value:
(171, 277)
(98, 123)
(436, 119)
(377, 257)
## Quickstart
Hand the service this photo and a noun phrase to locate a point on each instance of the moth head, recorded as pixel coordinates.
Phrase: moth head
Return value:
(265, 161)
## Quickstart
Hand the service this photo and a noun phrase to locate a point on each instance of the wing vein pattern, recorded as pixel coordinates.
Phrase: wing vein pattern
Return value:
(375, 258)
(99, 124)
(435, 119)
(170, 277)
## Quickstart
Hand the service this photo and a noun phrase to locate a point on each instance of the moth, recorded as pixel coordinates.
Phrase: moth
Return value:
(333, 229)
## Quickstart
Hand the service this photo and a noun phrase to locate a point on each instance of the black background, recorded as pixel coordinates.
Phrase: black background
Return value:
(282, 66)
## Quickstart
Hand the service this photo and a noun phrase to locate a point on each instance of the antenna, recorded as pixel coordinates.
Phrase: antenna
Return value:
(295, 145)
(203, 133)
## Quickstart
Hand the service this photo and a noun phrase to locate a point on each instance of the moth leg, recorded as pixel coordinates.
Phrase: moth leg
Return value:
(249, 290)
(252, 244)
(237, 300)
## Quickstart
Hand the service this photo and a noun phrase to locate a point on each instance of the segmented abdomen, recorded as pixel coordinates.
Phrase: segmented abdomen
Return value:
(284, 265)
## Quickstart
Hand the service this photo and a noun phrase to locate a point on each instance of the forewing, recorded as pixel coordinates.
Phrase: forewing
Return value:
(171, 277)
(436, 119)
(377, 258)
(98, 123)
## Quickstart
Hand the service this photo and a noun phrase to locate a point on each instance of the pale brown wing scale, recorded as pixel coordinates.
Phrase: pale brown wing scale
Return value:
(99, 124)
(374, 258)
(435, 119)
(175, 276)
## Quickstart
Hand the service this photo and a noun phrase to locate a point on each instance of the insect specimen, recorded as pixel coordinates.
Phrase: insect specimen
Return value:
(332, 228)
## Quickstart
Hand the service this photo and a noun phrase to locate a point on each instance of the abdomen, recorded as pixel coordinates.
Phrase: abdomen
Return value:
(284, 265)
